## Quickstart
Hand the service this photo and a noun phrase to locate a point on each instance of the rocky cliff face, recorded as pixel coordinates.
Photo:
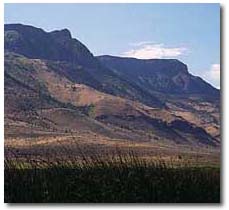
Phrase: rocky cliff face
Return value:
(169, 76)
(36, 43)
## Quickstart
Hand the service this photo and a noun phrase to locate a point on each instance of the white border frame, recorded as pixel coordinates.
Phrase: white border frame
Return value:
(224, 113)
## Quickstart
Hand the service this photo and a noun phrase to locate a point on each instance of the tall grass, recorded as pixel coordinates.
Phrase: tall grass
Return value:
(111, 179)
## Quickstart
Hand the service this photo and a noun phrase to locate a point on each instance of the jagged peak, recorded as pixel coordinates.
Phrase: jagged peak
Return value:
(65, 33)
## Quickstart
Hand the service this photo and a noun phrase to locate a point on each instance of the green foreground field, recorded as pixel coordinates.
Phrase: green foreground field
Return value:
(98, 180)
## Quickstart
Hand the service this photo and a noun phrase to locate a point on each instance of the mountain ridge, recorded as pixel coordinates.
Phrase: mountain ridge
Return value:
(134, 67)
(152, 100)
(77, 56)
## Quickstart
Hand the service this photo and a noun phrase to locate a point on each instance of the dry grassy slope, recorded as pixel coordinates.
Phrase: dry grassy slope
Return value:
(186, 95)
(82, 95)
(52, 102)
(202, 113)
(109, 105)
(104, 104)
(28, 112)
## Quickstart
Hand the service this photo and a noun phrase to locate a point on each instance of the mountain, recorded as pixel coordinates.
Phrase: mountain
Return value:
(54, 85)
(64, 52)
(169, 76)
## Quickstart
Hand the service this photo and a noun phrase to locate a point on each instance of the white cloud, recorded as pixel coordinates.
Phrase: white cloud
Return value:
(214, 72)
(147, 50)
(213, 75)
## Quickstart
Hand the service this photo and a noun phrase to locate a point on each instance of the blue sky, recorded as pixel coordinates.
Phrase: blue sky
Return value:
(188, 32)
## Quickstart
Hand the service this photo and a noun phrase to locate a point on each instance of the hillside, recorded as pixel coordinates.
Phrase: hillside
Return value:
(70, 55)
(54, 86)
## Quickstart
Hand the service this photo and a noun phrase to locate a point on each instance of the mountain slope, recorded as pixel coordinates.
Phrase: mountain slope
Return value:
(53, 84)
(185, 95)
(72, 59)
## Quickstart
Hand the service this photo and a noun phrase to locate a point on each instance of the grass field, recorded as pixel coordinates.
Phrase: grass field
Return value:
(123, 179)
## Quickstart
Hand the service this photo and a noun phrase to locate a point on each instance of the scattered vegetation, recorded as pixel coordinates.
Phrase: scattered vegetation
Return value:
(89, 110)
